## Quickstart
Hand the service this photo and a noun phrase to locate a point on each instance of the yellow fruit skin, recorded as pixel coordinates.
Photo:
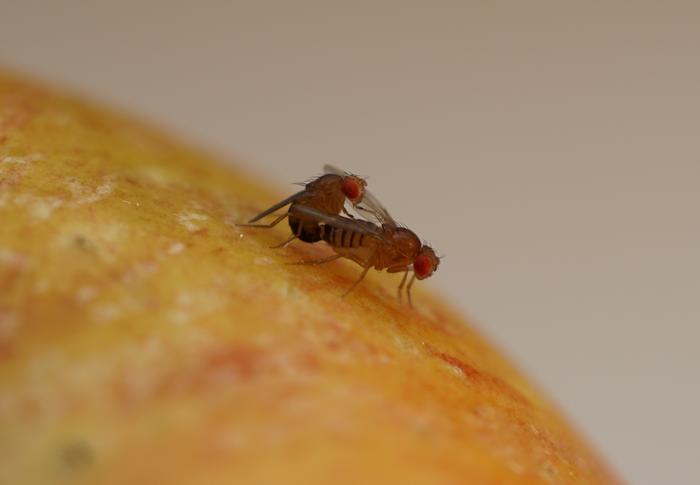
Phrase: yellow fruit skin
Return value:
(144, 338)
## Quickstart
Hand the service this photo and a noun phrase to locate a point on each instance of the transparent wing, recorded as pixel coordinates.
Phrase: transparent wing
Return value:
(328, 168)
(370, 205)
(339, 222)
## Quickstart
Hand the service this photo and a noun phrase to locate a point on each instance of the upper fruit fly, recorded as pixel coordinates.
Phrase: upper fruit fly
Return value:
(383, 246)
(326, 194)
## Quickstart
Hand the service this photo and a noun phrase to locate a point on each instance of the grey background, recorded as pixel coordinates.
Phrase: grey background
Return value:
(550, 149)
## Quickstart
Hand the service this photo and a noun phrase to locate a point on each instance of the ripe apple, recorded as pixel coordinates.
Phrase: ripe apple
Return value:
(145, 338)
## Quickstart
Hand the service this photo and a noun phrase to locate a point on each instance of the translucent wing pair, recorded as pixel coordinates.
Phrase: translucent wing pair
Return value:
(369, 205)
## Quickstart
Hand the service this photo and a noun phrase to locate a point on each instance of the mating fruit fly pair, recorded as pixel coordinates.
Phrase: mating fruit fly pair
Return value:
(314, 214)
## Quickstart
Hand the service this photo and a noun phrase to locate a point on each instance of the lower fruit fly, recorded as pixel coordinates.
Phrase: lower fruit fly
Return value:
(387, 246)
(326, 194)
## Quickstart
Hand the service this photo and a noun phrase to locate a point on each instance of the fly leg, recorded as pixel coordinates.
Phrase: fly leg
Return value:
(368, 265)
(408, 289)
(271, 225)
(399, 269)
(285, 243)
(265, 226)
(403, 282)
(357, 282)
(319, 261)
(291, 238)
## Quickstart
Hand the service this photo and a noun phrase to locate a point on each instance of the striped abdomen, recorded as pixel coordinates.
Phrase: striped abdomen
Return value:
(306, 231)
(340, 237)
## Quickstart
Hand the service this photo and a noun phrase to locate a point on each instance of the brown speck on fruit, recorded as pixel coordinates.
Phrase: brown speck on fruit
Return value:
(77, 455)
(81, 242)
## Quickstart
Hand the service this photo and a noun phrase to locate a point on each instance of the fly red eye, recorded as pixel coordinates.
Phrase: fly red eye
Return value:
(351, 189)
(422, 266)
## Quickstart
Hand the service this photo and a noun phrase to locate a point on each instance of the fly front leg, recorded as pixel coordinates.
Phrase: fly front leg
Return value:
(345, 211)
(403, 280)
(408, 290)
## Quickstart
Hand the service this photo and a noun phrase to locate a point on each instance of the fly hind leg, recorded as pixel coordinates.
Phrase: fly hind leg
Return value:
(285, 243)
(269, 226)
(357, 282)
(265, 226)
(319, 261)
(291, 238)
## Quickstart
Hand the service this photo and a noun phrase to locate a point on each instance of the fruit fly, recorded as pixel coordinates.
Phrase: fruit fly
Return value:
(387, 246)
(326, 194)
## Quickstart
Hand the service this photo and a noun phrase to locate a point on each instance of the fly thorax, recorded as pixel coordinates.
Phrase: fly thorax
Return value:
(401, 246)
